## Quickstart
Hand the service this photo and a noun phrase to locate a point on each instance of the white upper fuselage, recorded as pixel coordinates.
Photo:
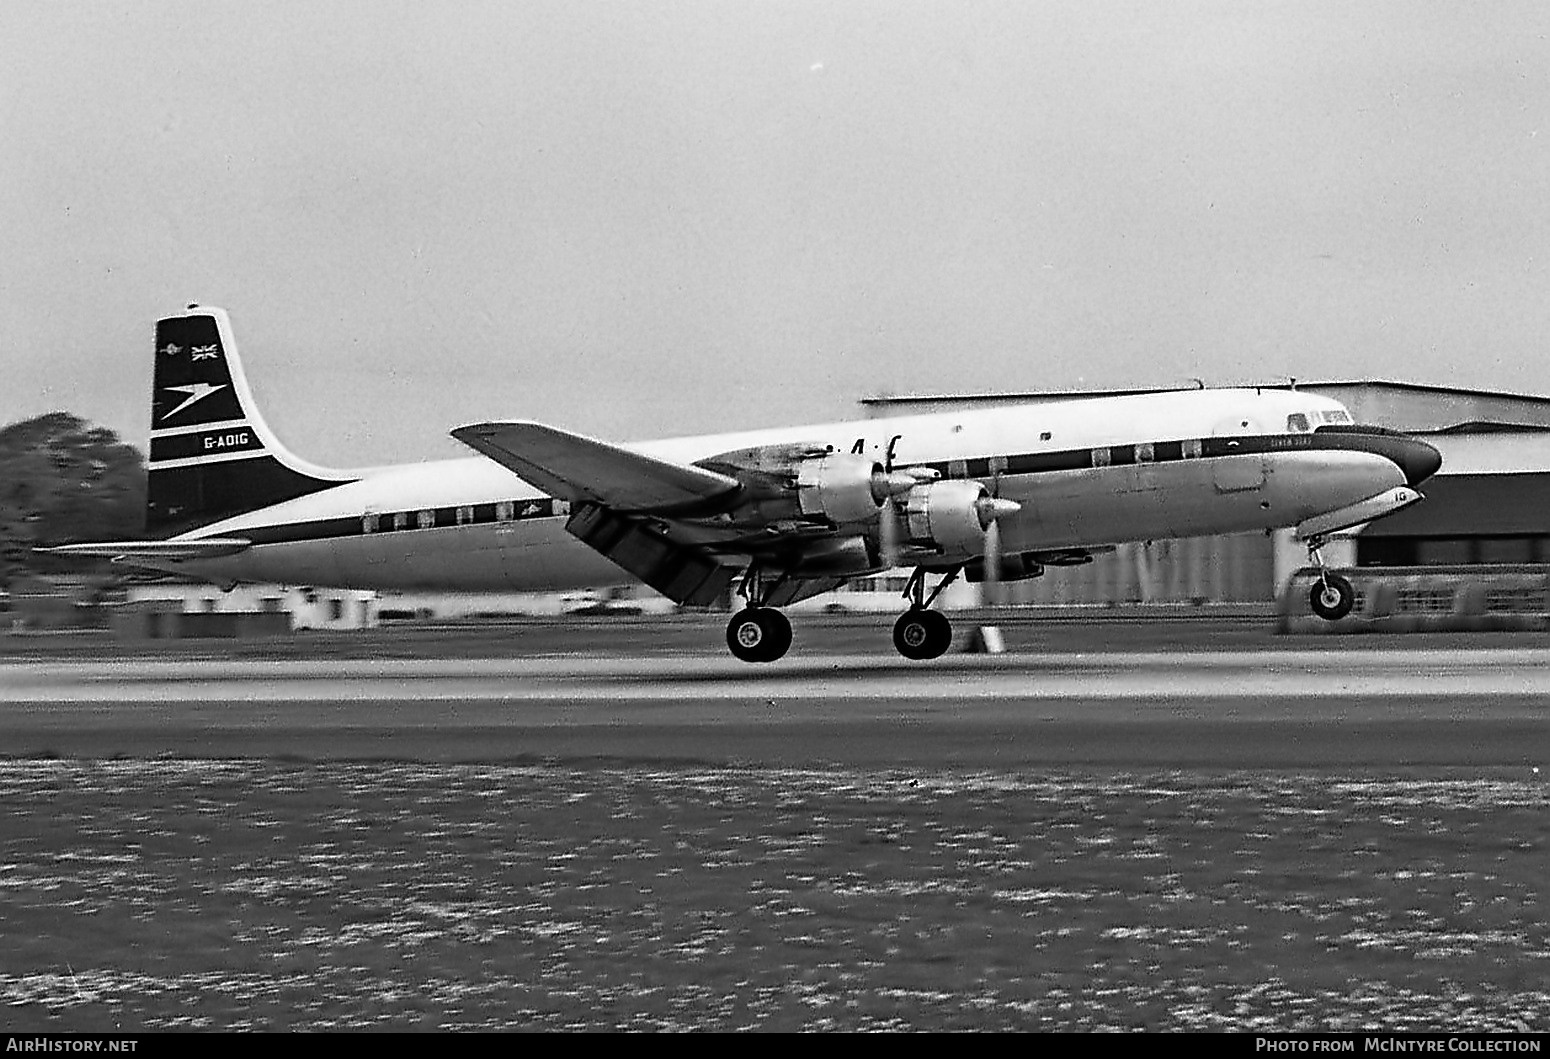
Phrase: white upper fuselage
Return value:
(370, 533)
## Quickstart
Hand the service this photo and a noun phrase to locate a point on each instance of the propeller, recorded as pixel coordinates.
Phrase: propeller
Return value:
(889, 533)
(990, 588)
(991, 510)
(990, 594)
(890, 527)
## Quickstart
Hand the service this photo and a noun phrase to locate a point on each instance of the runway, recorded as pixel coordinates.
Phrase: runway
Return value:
(1289, 708)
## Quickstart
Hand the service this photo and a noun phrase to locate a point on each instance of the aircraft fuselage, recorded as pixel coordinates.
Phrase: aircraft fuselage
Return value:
(1088, 472)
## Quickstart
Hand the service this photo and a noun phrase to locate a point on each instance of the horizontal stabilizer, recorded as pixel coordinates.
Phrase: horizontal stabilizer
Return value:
(159, 551)
(584, 470)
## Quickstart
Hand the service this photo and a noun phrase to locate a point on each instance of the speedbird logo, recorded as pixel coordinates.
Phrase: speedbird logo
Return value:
(197, 391)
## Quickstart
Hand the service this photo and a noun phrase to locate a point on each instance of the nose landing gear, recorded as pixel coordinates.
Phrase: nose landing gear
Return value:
(1331, 596)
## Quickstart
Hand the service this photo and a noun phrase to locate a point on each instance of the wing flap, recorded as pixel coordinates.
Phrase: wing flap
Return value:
(584, 470)
(685, 574)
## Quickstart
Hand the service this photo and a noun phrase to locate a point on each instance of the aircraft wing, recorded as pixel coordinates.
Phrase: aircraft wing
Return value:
(584, 470)
(160, 551)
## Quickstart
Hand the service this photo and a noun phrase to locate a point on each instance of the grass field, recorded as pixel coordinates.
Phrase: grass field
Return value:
(606, 895)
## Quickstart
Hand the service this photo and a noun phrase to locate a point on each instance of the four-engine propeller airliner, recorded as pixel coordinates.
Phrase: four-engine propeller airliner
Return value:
(781, 514)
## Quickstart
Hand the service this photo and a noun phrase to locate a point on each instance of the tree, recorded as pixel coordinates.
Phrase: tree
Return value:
(64, 480)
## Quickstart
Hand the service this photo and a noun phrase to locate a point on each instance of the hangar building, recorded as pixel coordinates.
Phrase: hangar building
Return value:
(1490, 503)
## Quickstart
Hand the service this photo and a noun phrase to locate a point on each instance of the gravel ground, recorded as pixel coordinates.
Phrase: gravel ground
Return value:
(268, 895)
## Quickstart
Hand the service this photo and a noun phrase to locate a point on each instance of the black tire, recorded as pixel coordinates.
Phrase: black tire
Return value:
(941, 634)
(921, 634)
(780, 634)
(1332, 597)
(758, 634)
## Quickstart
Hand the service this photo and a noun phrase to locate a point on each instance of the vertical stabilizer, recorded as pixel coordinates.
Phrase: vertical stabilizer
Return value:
(212, 454)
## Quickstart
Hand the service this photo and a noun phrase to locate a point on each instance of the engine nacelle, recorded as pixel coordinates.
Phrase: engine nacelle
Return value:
(842, 487)
(809, 483)
(950, 516)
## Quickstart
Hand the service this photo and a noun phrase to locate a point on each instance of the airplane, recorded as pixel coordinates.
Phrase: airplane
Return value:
(779, 515)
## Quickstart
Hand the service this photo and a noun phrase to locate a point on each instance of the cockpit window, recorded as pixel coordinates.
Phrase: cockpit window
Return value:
(1338, 415)
(1297, 423)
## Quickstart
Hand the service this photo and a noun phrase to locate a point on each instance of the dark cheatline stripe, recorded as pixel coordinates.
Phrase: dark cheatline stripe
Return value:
(1046, 462)
(1375, 440)
(373, 525)
(318, 529)
(197, 494)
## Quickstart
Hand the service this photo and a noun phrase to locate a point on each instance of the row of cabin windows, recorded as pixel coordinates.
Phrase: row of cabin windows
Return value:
(429, 518)
(1146, 452)
(1296, 423)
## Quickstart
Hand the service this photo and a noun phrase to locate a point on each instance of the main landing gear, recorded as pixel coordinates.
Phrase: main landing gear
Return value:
(1331, 596)
(920, 632)
(758, 633)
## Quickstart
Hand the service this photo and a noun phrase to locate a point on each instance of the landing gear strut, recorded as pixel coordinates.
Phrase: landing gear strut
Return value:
(921, 632)
(1331, 596)
(758, 633)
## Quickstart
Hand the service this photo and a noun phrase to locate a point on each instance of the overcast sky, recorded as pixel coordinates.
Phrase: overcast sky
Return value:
(639, 219)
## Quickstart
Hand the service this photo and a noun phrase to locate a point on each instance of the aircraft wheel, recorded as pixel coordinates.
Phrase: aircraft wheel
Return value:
(922, 634)
(1332, 597)
(758, 634)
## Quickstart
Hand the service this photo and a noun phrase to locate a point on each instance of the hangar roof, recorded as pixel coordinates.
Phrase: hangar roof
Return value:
(1412, 407)
(1419, 409)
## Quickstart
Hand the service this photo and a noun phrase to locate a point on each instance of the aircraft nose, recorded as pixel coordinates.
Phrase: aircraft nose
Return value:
(1419, 460)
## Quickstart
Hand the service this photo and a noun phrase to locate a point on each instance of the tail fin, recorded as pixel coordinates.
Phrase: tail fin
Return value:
(212, 454)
